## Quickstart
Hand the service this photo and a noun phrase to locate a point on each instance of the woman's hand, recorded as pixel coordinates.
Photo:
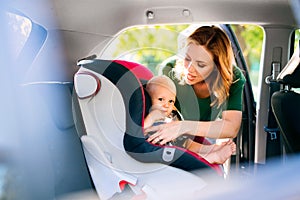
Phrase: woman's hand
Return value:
(165, 132)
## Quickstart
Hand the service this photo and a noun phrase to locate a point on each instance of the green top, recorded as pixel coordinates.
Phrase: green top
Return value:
(194, 108)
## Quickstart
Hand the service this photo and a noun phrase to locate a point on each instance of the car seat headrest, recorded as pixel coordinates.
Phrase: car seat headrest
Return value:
(291, 72)
(293, 79)
(90, 82)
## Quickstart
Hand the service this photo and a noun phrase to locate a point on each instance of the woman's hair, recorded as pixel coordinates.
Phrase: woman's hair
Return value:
(215, 41)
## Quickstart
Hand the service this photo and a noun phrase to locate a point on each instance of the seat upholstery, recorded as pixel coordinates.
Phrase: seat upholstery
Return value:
(50, 148)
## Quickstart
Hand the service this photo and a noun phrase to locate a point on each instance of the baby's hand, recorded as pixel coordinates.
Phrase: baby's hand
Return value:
(157, 115)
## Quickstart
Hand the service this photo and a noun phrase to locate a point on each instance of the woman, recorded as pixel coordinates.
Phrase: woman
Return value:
(209, 90)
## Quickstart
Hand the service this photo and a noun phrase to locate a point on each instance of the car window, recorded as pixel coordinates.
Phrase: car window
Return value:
(250, 38)
(148, 45)
(297, 38)
(19, 29)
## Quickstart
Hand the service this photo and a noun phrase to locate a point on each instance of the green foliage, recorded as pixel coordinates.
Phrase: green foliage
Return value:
(148, 45)
(297, 37)
(250, 38)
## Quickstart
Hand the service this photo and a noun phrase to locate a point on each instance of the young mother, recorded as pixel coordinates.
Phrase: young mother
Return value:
(209, 89)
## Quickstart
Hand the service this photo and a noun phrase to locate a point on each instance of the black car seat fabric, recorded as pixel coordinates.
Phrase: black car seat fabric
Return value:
(286, 104)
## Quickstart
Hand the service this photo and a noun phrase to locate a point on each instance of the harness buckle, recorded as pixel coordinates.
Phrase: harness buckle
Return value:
(272, 131)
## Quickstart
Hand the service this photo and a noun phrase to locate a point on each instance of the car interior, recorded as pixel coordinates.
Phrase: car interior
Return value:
(74, 100)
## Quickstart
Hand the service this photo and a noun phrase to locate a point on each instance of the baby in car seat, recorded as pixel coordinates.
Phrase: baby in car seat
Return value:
(162, 91)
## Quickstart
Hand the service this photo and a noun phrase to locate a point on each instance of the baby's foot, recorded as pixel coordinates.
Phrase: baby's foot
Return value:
(220, 153)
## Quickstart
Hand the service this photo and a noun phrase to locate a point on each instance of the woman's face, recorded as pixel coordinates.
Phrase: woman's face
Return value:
(198, 63)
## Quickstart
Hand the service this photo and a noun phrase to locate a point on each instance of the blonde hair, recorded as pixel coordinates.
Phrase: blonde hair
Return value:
(218, 44)
(162, 81)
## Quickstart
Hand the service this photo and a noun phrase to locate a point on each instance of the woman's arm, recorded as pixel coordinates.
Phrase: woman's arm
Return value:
(227, 127)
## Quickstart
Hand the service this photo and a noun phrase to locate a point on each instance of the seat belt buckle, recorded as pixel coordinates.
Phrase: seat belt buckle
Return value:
(272, 131)
(273, 135)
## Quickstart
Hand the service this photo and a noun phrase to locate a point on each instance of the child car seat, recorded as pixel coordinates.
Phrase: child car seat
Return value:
(109, 107)
(286, 104)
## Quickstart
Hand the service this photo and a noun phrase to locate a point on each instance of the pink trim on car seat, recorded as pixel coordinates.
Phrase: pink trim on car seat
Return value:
(123, 183)
(137, 69)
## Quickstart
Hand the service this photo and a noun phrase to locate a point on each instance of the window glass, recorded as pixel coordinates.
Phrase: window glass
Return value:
(19, 29)
(148, 45)
(297, 37)
(250, 38)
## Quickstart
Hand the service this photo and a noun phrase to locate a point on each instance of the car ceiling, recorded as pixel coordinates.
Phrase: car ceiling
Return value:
(107, 17)
(86, 24)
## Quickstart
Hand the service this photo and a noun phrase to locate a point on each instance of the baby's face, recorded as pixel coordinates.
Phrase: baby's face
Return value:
(162, 96)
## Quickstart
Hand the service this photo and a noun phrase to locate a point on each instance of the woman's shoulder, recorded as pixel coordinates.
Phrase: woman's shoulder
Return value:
(238, 76)
(167, 65)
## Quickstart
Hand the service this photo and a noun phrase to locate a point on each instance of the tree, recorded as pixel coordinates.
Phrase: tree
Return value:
(250, 38)
(148, 45)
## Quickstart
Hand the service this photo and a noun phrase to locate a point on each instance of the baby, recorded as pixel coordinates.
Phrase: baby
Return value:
(162, 91)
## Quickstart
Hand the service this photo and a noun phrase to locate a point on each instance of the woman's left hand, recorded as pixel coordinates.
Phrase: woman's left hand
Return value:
(165, 132)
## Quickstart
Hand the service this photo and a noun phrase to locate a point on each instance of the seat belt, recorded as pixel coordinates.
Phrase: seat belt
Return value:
(273, 147)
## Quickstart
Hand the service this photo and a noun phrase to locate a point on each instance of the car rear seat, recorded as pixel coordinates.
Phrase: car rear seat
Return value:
(286, 104)
(52, 157)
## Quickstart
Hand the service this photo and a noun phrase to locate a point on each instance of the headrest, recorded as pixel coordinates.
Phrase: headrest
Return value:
(291, 72)
(293, 79)
(89, 82)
